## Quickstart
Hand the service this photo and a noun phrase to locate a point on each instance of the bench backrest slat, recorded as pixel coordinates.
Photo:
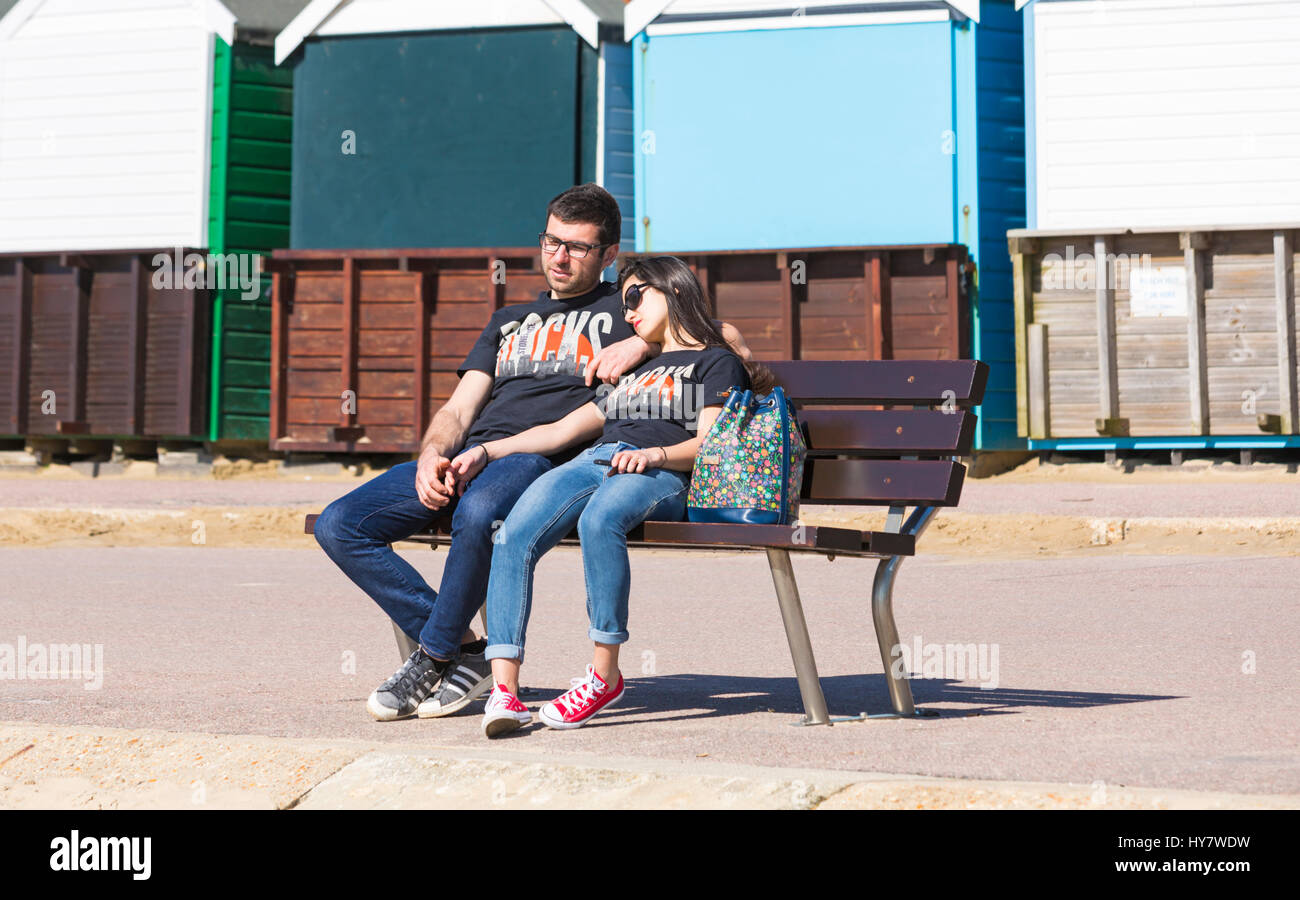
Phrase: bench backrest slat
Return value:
(897, 382)
(895, 455)
(880, 482)
(887, 432)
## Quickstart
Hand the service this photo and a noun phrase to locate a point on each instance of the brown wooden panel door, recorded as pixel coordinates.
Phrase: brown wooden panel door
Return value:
(15, 343)
(174, 363)
(57, 367)
(109, 354)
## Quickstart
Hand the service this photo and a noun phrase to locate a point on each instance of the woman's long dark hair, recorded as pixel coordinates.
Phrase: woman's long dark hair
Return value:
(689, 312)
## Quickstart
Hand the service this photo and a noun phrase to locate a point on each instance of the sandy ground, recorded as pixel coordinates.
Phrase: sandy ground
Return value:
(1034, 470)
(1019, 535)
(1031, 471)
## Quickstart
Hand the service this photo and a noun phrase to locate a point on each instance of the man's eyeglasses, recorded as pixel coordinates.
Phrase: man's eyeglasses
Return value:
(577, 249)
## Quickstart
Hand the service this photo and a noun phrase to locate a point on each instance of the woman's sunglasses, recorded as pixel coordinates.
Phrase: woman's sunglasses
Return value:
(632, 299)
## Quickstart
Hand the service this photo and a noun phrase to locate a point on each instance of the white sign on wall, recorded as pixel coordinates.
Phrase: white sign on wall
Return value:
(1157, 291)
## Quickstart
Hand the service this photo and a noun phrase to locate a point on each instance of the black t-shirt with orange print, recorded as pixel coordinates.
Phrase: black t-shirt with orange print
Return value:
(537, 354)
(658, 405)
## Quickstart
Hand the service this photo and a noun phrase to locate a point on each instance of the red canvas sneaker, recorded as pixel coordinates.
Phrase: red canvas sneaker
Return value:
(575, 707)
(504, 713)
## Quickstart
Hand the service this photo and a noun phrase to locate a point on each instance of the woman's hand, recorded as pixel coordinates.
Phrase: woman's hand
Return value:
(637, 460)
(467, 464)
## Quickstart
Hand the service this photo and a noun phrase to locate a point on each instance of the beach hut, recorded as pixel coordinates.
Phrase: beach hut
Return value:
(158, 130)
(1156, 280)
(841, 124)
(423, 124)
(427, 139)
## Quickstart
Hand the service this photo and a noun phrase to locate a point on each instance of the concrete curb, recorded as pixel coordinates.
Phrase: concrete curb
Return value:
(62, 767)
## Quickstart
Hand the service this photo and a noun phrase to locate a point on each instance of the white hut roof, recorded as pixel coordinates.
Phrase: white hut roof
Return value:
(261, 16)
(334, 17)
(219, 19)
(789, 13)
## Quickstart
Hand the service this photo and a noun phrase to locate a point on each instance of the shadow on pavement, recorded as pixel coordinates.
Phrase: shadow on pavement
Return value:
(709, 696)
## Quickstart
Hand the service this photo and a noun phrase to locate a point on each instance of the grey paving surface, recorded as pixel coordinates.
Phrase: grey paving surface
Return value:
(1125, 670)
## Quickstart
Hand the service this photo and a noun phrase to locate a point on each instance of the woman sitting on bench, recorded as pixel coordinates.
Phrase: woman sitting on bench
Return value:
(649, 429)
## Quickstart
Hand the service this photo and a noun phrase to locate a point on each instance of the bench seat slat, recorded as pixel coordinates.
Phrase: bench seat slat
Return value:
(809, 537)
(721, 536)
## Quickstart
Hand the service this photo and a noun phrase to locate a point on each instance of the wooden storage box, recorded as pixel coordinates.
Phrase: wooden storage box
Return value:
(843, 302)
(1176, 333)
(90, 347)
(390, 325)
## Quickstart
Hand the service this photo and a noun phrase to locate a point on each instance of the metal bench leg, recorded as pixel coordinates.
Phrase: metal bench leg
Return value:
(796, 632)
(405, 645)
(882, 616)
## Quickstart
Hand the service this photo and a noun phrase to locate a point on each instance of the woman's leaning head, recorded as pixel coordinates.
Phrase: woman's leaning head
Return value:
(662, 298)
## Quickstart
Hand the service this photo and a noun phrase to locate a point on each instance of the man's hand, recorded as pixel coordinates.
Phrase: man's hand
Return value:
(735, 340)
(462, 469)
(429, 473)
(612, 362)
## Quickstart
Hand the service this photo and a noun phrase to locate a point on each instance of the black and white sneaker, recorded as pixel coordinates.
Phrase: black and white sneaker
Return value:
(468, 677)
(401, 695)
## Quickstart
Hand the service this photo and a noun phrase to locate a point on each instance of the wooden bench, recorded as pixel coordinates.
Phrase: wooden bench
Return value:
(857, 455)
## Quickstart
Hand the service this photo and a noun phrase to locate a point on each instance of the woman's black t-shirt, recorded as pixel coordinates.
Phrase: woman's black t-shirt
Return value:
(659, 404)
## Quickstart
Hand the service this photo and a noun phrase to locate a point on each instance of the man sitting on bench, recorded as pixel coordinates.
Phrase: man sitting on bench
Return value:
(534, 363)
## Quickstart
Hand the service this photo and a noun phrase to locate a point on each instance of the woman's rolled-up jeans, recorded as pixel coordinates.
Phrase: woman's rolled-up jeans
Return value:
(604, 509)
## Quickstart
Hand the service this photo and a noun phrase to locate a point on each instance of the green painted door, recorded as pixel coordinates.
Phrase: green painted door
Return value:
(252, 135)
(441, 139)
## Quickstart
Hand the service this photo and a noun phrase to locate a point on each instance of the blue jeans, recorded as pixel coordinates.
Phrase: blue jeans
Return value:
(604, 509)
(355, 531)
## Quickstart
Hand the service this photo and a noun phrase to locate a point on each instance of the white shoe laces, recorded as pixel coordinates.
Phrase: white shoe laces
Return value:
(578, 696)
(500, 699)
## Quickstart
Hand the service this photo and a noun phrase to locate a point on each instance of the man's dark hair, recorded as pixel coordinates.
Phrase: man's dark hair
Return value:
(589, 204)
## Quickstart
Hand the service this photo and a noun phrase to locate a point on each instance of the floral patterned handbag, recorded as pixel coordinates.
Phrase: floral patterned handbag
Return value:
(749, 468)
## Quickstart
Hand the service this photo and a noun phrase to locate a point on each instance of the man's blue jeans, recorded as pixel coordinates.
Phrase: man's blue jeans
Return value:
(356, 529)
(604, 509)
